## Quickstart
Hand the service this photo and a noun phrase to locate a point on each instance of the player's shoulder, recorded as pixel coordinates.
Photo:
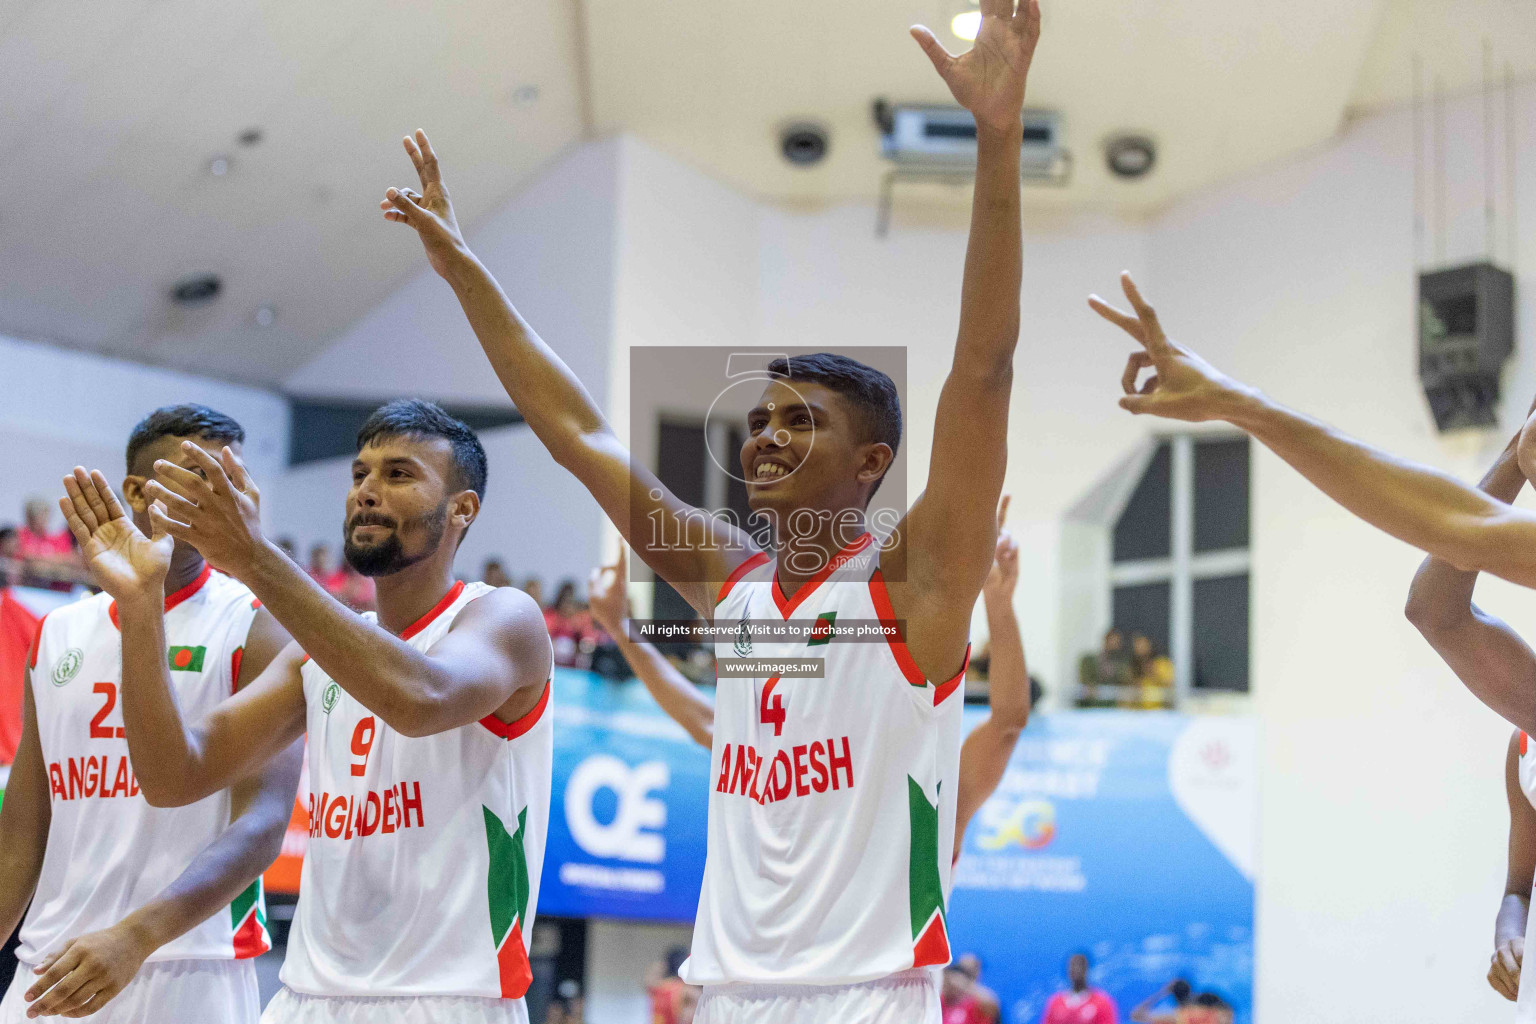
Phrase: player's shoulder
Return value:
(227, 589)
(495, 608)
(88, 611)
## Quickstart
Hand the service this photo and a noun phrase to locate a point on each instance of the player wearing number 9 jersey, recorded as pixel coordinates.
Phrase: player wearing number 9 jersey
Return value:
(115, 882)
(430, 741)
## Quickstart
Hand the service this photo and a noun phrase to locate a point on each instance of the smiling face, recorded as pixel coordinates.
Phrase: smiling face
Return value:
(403, 505)
(807, 448)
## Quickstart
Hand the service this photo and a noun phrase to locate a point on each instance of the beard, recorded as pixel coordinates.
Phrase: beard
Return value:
(388, 556)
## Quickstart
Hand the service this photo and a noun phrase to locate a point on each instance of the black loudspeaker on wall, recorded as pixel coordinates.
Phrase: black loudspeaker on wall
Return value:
(1466, 332)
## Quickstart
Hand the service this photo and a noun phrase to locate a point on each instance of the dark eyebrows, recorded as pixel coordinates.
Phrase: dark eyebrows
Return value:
(790, 407)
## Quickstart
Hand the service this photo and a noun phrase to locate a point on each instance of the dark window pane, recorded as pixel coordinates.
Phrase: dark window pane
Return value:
(1221, 633)
(680, 460)
(1144, 608)
(1221, 494)
(1143, 529)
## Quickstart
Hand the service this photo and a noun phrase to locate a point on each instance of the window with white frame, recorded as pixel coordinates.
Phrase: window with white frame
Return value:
(1179, 566)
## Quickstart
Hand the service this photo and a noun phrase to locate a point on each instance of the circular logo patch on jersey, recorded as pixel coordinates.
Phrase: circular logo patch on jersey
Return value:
(329, 697)
(67, 667)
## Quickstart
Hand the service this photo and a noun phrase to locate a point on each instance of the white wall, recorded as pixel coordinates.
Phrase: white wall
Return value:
(59, 409)
(1383, 823)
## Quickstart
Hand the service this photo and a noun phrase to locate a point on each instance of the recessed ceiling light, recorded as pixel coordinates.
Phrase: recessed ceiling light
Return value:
(266, 316)
(1130, 156)
(524, 95)
(218, 166)
(195, 289)
(250, 137)
(966, 24)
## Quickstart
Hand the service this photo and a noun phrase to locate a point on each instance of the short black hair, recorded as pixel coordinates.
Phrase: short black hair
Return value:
(872, 393)
(186, 420)
(1212, 1000)
(412, 417)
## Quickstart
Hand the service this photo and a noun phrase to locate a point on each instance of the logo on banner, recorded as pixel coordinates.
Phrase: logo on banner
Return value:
(1031, 825)
(634, 833)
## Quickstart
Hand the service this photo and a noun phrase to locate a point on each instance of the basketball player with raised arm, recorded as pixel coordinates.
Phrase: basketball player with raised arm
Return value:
(430, 742)
(832, 821)
(1500, 669)
(138, 912)
(987, 748)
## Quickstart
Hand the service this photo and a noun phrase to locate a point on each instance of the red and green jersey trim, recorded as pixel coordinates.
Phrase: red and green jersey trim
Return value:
(248, 917)
(507, 895)
(761, 558)
(930, 931)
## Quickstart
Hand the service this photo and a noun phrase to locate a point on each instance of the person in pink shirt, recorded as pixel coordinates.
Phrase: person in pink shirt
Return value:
(1080, 1004)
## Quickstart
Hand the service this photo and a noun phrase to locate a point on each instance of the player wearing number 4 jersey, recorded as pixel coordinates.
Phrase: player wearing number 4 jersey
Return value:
(114, 882)
(430, 738)
(803, 917)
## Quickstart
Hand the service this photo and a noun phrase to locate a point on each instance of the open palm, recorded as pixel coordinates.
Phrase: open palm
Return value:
(989, 79)
(123, 561)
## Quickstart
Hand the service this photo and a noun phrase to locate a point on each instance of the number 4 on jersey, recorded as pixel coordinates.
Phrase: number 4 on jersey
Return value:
(770, 710)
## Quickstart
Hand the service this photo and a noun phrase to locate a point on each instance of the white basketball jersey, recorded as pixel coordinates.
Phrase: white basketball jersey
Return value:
(109, 852)
(1525, 1005)
(422, 870)
(832, 814)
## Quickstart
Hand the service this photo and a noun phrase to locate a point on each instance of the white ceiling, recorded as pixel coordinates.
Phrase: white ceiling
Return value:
(111, 110)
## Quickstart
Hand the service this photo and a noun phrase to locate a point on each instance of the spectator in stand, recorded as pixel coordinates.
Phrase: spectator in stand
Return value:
(666, 989)
(534, 588)
(10, 557)
(964, 999)
(1103, 675)
(570, 627)
(50, 557)
(1209, 1008)
(1152, 674)
(1080, 1004)
(494, 575)
(687, 1004)
(1177, 990)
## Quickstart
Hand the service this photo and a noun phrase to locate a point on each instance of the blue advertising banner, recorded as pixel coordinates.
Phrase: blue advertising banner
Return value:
(1125, 835)
(627, 821)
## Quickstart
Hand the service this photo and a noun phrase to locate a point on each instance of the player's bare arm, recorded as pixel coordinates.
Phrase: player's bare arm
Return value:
(87, 972)
(984, 756)
(556, 405)
(1509, 926)
(678, 697)
(1424, 507)
(176, 762)
(495, 660)
(943, 548)
(24, 818)
(1484, 652)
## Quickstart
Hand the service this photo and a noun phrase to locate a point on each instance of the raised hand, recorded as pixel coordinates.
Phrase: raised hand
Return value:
(988, 80)
(1504, 969)
(429, 210)
(1004, 575)
(123, 561)
(1183, 386)
(218, 511)
(606, 597)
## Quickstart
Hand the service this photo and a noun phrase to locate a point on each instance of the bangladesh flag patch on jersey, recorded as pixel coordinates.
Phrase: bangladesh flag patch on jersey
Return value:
(187, 659)
(821, 632)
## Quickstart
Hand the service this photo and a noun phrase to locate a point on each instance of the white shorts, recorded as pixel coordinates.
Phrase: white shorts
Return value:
(290, 1007)
(184, 991)
(911, 997)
